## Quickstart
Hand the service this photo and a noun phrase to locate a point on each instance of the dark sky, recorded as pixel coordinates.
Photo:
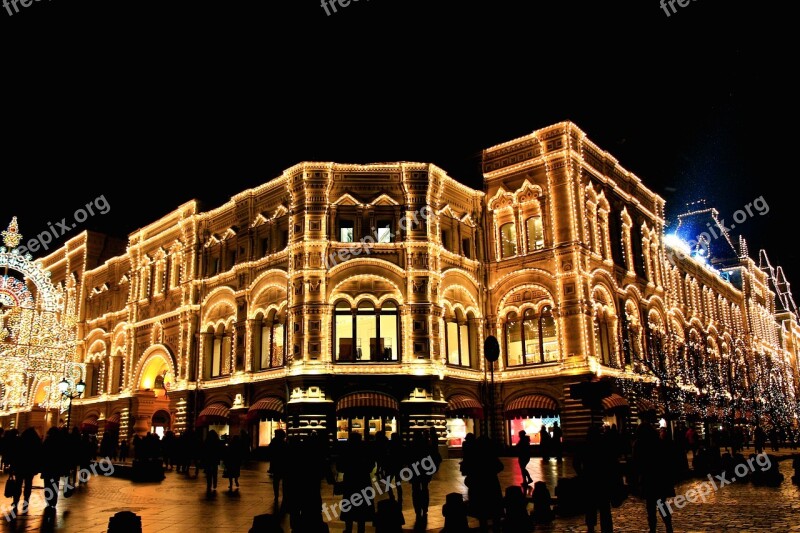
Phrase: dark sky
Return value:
(151, 105)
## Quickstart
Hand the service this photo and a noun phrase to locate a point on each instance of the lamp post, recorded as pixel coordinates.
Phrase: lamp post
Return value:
(491, 351)
(64, 388)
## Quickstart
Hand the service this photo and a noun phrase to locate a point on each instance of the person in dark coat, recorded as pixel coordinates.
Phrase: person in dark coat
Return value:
(454, 511)
(653, 455)
(356, 463)
(54, 465)
(555, 441)
(395, 462)
(481, 466)
(212, 455)
(420, 496)
(545, 443)
(596, 466)
(233, 458)
(278, 458)
(523, 449)
(26, 464)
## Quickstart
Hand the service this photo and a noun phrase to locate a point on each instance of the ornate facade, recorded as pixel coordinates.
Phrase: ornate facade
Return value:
(358, 297)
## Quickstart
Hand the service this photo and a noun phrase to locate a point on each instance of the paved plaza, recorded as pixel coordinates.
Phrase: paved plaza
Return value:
(179, 504)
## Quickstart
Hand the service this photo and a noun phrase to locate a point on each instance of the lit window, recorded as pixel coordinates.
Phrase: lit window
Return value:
(508, 240)
(384, 232)
(346, 231)
(535, 233)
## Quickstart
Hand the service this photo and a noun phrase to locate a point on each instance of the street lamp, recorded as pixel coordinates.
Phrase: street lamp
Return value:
(64, 389)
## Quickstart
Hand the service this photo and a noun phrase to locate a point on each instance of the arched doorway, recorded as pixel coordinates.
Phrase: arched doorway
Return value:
(160, 423)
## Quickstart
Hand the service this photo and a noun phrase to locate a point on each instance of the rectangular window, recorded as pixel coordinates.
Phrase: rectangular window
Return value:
(277, 345)
(446, 239)
(464, 333)
(216, 357)
(264, 246)
(384, 231)
(535, 233)
(346, 231)
(265, 344)
(452, 343)
(284, 239)
(508, 240)
(466, 247)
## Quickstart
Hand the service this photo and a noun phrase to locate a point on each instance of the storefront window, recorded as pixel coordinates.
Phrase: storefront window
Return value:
(266, 430)
(366, 334)
(532, 426)
(457, 429)
(362, 424)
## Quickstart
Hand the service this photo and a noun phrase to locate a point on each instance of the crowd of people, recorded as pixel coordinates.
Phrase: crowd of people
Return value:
(607, 466)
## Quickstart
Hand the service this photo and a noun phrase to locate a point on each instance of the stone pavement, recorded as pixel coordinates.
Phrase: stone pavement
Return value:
(179, 504)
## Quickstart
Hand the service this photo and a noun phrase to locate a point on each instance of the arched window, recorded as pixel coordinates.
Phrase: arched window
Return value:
(366, 333)
(508, 240)
(602, 338)
(459, 339)
(532, 340)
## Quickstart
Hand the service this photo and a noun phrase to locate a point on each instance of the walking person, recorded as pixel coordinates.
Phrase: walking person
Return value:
(523, 449)
(232, 459)
(654, 457)
(395, 461)
(420, 496)
(25, 465)
(54, 465)
(278, 455)
(595, 465)
(356, 463)
(212, 454)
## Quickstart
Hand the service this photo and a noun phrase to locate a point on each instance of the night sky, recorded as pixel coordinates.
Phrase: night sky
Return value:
(152, 106)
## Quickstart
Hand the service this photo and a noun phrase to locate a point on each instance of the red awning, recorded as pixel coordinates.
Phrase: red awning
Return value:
(644, 405)
(89, 425)
(367, 401)
(615, 401)
(461, 404)
(216, 413)
(530, 405)
(266, 407)
(113, 419)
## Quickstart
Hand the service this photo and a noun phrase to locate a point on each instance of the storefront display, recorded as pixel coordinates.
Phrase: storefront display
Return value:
(360, 424)
(532, 426)
(457, 429)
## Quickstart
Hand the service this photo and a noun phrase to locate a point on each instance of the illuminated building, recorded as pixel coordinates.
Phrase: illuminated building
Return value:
(357, 297)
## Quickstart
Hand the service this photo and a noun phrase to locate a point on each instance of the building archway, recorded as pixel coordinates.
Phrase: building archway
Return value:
(160, 422)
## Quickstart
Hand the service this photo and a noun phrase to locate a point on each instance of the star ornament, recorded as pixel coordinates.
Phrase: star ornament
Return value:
(12, 236)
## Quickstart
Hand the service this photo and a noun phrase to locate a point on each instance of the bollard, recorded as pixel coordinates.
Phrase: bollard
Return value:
(125, 522)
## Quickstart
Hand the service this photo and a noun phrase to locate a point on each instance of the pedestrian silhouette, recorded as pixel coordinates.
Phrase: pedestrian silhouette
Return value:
(24, 457)
(595, 464)
(523, 449)
(232, 459)
(278, 455)
(555, 441)
(393, 464)
(654, 458)
(54, 465)
(356, 463)
(544, 443)
(421, 450)
(542, 504)
(212, 455)
(481, 466)
(454, 512)
(516, 518)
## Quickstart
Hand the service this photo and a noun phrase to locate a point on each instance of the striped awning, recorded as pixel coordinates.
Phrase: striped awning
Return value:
(644, 405)
(530, 405)
(461, 404)
(615, 401)
(113, 419)
(89, 425)
(214, 413)
(266, 407)
(367, 401)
